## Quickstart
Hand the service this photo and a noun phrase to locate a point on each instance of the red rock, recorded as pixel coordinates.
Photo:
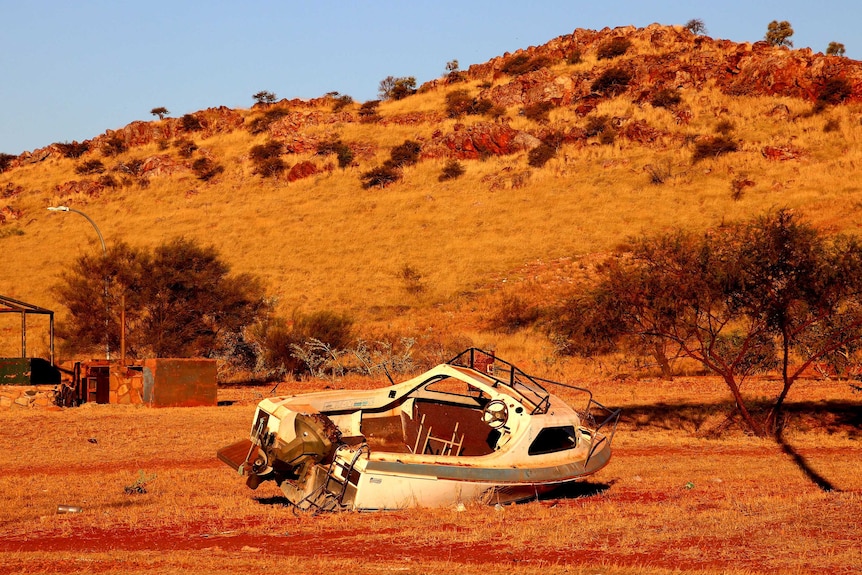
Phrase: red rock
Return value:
(301, 170)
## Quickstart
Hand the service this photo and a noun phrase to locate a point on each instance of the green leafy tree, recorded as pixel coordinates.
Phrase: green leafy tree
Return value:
(779, 33)
(180, 300)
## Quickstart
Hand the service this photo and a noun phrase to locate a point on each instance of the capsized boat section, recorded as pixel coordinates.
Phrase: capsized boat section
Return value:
(473, 428)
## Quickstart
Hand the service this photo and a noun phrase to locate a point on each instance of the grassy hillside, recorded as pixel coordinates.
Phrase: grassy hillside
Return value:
(324, 242)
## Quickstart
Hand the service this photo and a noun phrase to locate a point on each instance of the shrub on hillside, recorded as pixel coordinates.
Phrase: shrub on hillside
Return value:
(458, 103)
(575, 57)
(381, 176)
(190, 123)
(613, 48)
(540, 155)
(405, 154)
(514, 313)
(264, 97)
(206, 169)
(267, 159)
(834, 91)
(339, 148)
(266, 119)
(724, 127)
(368, 111)
(453, 169)
(113, 146)
(74, 149)
(90, 167)
(714, 147)
(6, 161)
(666, 98)
(341, 101)
(538, 112)
(612, 82)
(522, 63)
(185, 147)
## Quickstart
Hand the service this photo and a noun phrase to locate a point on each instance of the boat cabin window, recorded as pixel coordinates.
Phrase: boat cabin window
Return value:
(454, 386)
(553, 439)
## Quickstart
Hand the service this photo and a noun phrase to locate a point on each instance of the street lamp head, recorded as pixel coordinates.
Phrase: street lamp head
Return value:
(58, 208)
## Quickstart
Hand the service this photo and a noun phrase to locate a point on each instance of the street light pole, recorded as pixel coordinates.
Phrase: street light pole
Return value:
(104, 253)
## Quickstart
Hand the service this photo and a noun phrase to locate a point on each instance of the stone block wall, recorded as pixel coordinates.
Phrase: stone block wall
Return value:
(26, 396)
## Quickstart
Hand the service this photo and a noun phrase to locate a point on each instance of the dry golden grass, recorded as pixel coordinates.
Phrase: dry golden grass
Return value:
(669, 502)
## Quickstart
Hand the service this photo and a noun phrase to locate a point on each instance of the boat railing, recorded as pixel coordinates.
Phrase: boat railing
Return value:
(508, 375)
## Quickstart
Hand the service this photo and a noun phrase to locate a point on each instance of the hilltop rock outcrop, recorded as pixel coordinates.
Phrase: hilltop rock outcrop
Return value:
(478, 140)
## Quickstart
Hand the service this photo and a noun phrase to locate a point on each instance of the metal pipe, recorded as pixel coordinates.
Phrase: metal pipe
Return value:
(104, 253)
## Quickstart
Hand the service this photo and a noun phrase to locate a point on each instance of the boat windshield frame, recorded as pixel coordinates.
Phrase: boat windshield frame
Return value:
(531, 393)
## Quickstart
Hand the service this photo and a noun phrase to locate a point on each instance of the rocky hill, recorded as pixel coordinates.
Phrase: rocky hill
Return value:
(555, 153)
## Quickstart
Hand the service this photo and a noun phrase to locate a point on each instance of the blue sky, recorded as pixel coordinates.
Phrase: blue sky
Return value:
(69, 70)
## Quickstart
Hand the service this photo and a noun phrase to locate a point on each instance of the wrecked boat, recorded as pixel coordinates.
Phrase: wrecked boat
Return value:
(473, 428)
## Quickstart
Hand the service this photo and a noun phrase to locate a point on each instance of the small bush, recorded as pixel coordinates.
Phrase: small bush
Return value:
(406, 154)
(714, 147)
(283, 343)
(74, 149)
(514, 313)
(381, 176)
(832, 125)
(575, 57)
(453, 169)
(6, 161)
(521, 64)
(339, 148)
(190, 123)
(666, 98)
(737, 187)
(538, 112)
(724, 127)
(540, 155)
(108, 181)
(264, 121)
(341, 101)
(267, 159)
(185, 147)
(113, 146)
(90, 167)
(597, 125)
(458, 103)
(411, 279)
(206, 169)
(368, 111)
(132, 167)
(613, 48)
(834, 91)
(612, 82)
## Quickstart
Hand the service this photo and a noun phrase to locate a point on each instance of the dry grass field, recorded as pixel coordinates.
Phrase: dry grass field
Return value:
(672, 500)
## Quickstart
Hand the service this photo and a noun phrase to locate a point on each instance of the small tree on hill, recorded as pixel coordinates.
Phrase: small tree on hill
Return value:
(392, 88)
(779, 33)
(161, 112)
(264, 97)
(696, 26)
(835, 49)
(6, 161)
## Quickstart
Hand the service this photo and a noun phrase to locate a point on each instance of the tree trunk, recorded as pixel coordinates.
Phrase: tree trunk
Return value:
(740, 404)
(661, 359)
